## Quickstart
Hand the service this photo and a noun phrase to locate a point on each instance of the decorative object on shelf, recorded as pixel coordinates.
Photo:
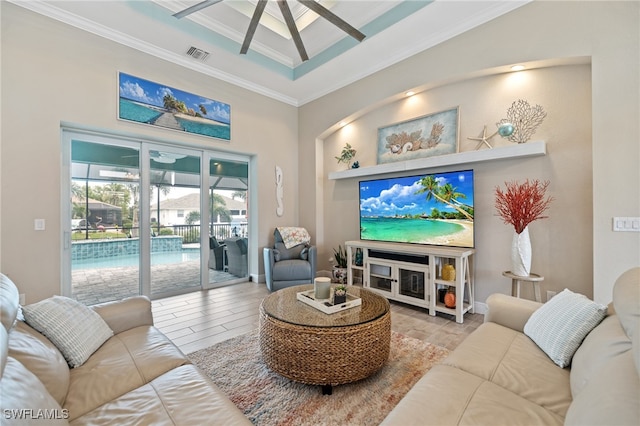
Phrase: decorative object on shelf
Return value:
(519, 205)
(339, 294)
(339, 262)
(359, 257)
(466, 158)
(321, 287)
(525, 120)
(355, 165)
(347, 154)
(441, 293)
(427, 136)
(279, 192)
(448, 272)
(504, 130)
(450, 298)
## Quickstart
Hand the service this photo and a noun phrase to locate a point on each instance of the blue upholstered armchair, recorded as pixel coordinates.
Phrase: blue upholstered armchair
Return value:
(237, 256)
(216, 254)
(286, 267)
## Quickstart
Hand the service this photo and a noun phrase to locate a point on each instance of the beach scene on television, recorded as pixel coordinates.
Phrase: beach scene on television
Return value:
(146, 102)
(434, 209)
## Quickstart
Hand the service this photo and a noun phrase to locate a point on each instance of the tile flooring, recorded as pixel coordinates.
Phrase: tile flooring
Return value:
(104, 284)
(198, 320)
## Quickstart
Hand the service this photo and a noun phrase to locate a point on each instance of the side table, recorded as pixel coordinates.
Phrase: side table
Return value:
(535, 279)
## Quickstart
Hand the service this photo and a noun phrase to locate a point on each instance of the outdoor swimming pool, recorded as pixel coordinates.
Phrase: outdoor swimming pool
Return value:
(186, 255)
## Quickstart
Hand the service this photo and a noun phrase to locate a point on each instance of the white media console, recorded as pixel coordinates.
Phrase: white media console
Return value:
(412, 273)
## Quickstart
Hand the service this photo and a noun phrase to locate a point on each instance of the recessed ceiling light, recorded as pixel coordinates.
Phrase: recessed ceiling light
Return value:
(410, 93)
(517, 68)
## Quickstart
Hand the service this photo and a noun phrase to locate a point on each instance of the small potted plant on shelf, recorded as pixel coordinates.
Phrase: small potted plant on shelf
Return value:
(347, 154)
(340, 294)
(339, 261)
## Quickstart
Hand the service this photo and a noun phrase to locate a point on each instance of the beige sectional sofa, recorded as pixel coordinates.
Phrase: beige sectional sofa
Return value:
(499, 376)
(137, 377)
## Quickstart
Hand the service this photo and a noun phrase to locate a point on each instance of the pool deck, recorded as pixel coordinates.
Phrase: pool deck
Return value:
(91, 286)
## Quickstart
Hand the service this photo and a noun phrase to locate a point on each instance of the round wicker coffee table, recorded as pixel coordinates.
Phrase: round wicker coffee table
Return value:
(308, 346)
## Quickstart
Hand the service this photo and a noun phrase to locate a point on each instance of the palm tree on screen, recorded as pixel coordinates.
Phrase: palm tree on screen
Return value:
(445, 194)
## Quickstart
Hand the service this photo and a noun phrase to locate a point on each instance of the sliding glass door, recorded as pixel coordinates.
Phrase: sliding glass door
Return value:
(174, 212)
(152, 219)
(101, 241)
(228, 220)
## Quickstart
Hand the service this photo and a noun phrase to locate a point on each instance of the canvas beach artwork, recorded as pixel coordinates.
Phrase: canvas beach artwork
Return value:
(427, 136)
(155, 104)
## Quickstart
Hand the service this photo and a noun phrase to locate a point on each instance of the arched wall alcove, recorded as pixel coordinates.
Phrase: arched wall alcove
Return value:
(562, 88)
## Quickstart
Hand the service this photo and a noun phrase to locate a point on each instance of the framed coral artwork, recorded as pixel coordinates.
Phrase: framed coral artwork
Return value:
(427, 136)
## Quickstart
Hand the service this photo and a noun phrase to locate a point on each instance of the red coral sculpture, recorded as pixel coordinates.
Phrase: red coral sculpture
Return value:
(523, 203)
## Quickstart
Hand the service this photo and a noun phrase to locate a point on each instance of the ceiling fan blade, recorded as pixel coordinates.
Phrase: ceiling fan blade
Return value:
(291, 24)
(255, 19)
(333, 18)
(195, 8)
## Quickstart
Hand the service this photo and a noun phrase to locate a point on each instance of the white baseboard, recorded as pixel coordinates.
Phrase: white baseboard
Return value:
(480, 308)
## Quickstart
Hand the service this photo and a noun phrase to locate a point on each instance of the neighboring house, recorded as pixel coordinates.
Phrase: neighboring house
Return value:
(174, 211)
(100, 213)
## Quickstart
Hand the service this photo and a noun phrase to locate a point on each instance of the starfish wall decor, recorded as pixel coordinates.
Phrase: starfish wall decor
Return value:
(505, 130)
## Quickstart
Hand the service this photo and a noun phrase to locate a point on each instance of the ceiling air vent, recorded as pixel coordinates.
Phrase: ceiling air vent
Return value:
(198, 54)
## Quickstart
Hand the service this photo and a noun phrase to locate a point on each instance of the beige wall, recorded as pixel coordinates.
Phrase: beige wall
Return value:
(53, 73)
(565, 93)
(605, 32)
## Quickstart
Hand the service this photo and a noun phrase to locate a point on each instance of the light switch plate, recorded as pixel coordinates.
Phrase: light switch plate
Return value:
(38, 224)
(626, 224)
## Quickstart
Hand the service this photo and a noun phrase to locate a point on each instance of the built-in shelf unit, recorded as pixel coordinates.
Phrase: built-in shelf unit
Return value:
(412, 273)
(521, 150)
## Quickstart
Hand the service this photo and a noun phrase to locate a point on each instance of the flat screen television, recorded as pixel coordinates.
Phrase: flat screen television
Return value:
(434, 209)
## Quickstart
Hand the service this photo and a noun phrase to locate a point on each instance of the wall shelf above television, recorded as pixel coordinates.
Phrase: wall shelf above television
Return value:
(529, 149)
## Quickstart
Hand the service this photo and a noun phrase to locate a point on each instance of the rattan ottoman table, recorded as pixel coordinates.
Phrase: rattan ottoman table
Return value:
(308, 346)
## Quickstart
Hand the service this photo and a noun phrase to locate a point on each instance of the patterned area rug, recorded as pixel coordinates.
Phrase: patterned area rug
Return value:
(266, 398)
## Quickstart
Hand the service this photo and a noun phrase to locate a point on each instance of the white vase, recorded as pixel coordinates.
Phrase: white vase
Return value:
(521, 253)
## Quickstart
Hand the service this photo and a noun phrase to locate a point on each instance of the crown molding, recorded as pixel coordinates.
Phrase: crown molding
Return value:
(49, 10)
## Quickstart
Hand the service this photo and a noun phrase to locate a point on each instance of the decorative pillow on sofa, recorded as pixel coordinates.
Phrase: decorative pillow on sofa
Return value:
(560, 325)
(41, 357)
(76, 330)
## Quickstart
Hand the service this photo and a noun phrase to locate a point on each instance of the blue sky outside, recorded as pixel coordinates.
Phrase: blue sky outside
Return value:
(150, 93)
(397, 196)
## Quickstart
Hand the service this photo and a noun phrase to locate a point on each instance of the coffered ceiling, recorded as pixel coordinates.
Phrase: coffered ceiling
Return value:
(210, 39)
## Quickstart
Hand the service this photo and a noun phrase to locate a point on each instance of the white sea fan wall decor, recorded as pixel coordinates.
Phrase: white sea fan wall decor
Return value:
(525, 120)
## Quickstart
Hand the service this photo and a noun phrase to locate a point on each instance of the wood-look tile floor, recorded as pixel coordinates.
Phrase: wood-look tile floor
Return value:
(198, 320)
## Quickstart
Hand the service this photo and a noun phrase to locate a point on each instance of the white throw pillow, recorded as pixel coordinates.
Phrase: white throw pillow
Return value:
(76, 330)
(559, 326)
